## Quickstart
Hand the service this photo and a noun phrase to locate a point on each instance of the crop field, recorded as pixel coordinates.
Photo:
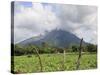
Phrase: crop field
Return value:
(54, 62)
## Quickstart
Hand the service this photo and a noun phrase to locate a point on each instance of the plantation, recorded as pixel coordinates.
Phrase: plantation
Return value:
(54, 62)
(46, 58)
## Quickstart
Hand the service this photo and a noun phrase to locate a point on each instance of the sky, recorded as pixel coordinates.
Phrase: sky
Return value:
(33, 19)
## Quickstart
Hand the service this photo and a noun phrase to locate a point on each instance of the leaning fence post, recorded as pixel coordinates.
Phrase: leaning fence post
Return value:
(64, 59)
(80, 52)
(39, 59)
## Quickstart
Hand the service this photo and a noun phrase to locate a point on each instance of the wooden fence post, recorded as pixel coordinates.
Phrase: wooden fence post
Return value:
(64, 59)
(40, 61)
(80, 53)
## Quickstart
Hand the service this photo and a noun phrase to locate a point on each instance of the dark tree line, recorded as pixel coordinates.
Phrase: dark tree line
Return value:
(86, 48)
(45, 48)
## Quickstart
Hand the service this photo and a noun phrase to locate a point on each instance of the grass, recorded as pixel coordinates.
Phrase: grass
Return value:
(53, 62)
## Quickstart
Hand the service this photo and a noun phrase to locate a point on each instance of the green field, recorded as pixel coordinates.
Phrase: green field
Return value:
(54, 62)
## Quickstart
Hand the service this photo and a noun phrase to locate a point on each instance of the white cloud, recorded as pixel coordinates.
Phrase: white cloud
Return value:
(31, 21)
(35, 20)
(80, 20)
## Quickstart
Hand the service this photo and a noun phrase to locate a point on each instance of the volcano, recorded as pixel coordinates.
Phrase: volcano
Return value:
(57, 38)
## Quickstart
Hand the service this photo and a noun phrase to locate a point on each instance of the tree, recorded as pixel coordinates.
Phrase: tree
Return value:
(74, 48)
(18, 50)
(91, 48)
(46, 48)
